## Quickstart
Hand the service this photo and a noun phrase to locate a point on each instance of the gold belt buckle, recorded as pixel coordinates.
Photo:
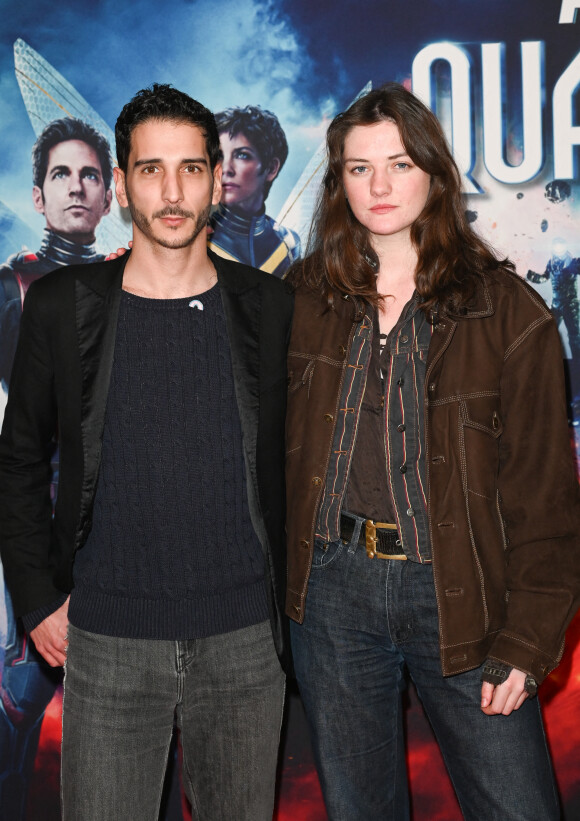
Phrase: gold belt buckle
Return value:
(371, 540)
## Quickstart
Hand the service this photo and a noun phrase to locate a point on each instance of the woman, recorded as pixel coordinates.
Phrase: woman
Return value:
(433, 511)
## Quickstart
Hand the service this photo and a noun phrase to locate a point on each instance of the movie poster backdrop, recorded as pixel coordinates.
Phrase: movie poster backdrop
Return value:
(503, 79)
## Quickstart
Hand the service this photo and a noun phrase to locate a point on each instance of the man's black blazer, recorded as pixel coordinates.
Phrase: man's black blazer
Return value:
(60, 381)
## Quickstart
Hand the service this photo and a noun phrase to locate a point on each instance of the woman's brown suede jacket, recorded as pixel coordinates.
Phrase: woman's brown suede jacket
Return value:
(503, 499)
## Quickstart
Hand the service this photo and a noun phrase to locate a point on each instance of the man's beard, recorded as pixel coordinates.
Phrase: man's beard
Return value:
(145, 226)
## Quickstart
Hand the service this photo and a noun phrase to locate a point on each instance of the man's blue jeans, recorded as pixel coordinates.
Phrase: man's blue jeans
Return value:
(366, 620)
(120, 697)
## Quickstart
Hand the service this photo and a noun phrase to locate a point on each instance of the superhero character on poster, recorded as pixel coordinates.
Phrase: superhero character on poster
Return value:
(72, 173)
(254, 149)
(562, 271)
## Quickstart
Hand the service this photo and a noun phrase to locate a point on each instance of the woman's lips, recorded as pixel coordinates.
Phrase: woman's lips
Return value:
(382, 209)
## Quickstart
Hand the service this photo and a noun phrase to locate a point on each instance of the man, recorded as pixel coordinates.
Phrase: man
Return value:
(254, 149)
(165, 371)
(72, 175)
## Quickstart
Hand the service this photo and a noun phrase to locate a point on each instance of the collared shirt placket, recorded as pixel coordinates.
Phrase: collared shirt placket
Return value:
(404, 379)
(328, 523)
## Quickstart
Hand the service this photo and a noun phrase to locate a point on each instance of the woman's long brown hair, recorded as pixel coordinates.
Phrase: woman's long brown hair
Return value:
(451, 256)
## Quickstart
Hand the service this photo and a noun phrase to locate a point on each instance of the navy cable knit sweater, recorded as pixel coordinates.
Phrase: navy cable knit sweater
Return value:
(172, 553)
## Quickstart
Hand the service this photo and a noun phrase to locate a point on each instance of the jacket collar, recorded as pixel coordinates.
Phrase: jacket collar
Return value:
(110, 275)
(235, 278)
(481, 304)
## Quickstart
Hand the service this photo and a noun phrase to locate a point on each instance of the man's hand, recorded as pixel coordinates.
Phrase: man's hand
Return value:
(50, 637)
(502, 699)
(119, 252)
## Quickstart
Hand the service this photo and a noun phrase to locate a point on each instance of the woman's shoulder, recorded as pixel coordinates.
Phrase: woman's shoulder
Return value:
(510, 288)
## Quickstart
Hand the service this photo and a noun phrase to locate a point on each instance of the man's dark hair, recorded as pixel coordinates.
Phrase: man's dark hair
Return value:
(163, 102)
(69, 128)
(263, 130)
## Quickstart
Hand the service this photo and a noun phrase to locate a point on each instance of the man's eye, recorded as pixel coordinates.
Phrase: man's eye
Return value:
(149, 169)
(59, 175)
(192, 169)
(92, 176)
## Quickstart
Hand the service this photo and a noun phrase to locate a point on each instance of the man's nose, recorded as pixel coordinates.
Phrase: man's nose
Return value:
(75, 185)
(172, 189)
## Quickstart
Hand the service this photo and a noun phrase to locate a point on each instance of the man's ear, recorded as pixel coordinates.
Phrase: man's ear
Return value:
(120, 191)
(273, 169)
(217, 184)
(38, 199)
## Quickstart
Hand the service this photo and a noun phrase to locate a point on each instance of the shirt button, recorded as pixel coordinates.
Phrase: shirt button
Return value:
(400, 381)
(316, 481)
(328, 417)
(411, 512)
(401, 428)
(403, 468)
(404, 338)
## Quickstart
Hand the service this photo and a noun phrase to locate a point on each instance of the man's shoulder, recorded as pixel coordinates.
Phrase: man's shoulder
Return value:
(95, 274)
(238, 276)
(23, 260)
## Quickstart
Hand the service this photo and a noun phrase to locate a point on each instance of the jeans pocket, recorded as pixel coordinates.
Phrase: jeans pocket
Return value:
(325, 553)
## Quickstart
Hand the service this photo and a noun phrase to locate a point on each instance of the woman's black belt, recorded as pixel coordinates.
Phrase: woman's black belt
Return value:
(380, 539)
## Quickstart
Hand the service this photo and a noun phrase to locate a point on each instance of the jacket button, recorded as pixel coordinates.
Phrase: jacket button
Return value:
(296, 608)
(328, 417)
(495, 421)
(316, 481)
(432, 387)
(342, 350)
(304, 543)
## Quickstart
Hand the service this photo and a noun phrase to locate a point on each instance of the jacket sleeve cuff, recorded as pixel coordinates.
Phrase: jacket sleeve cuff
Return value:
(495, 672)
(32, 620)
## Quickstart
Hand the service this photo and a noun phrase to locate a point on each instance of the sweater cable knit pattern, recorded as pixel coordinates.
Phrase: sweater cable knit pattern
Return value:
(172, 553)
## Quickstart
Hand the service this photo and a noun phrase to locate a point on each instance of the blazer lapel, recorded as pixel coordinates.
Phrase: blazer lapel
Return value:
(242, 301)
(97, 296)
